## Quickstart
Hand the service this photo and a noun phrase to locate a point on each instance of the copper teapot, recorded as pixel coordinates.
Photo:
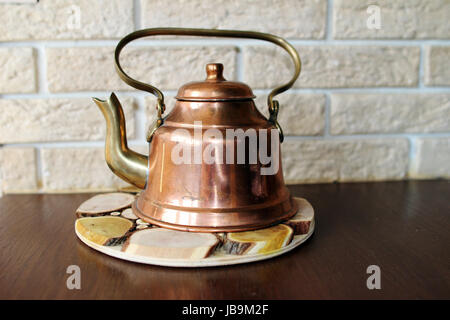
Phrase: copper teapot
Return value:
(203, 196)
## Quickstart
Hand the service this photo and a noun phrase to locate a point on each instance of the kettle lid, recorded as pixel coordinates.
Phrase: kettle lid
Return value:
(215, 87)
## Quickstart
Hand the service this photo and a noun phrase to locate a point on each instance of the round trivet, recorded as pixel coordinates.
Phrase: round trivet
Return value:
(107, 224)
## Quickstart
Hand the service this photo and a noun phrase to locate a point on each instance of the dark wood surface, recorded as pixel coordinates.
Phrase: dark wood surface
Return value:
(403, 227)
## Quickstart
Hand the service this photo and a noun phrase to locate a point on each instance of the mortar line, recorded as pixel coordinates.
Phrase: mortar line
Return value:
(39, 170)
(41, 70)
(229, 42)
(327, 115)
(140, 142)
(354, 90)
(421, 67)
(68, 144)
(357, 90)
(412, 154)
(329, 22)
(240, 64)
(41, 64)
(411, 140)
(137, 14)
(369, 136)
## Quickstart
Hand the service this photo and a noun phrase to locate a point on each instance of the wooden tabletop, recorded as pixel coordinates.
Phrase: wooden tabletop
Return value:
(402, 227)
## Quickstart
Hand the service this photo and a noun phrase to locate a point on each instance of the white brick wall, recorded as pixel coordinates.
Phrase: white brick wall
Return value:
(370, 104)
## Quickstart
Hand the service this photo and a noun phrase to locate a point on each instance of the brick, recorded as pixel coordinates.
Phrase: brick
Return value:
(77, 169)
(18, 170)
(345, 161)
(431, 158)
(389, 113)
(18, 67)
(437, 66)
(287, 18)
(334, 66)
(418, 19)
(71, 119)
(49, 19)
(92, 69)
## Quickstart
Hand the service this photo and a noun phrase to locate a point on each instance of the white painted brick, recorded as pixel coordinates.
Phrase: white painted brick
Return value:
(18, 70)
(92, 68)
(410, 19)
(41, 120)
(437, 66)
(334, 66)
(389, 113)
(77, 169)
(50, 19)
(18, 170)
(305, 19)
(344, 160)
(431, 159)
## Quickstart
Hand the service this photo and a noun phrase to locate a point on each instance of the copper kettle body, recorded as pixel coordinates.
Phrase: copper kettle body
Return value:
(214, 162)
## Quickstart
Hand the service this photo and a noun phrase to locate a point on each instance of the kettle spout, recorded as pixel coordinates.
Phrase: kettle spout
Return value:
(125, 163)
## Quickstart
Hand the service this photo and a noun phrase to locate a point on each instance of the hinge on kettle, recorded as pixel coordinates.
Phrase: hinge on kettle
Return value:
(273, 115)
(158, 122)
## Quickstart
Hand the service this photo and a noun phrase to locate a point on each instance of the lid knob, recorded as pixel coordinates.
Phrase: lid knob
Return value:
(214, 72)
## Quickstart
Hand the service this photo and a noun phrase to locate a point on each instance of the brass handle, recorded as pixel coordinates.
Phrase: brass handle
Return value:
(272, 104)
